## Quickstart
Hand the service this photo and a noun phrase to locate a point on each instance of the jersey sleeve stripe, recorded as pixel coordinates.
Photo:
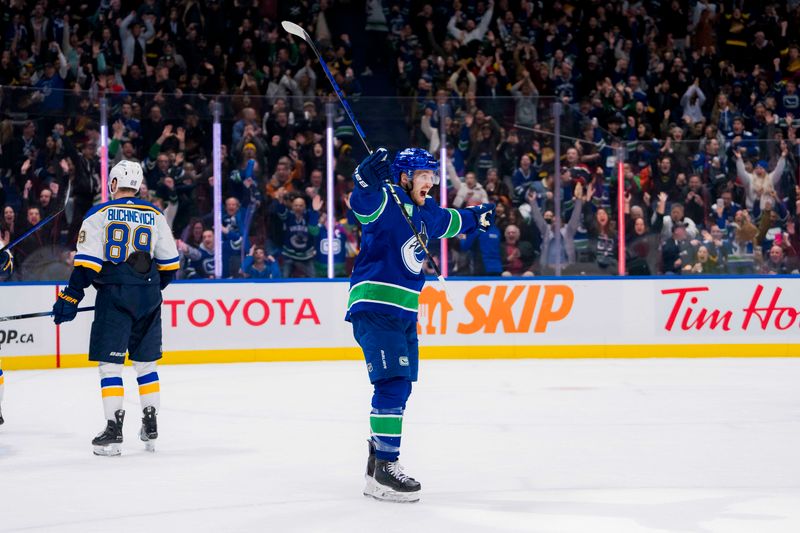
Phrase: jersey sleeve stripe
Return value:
(454, 228)
(87, 264)
(366, 219)
(88, 261)
(172, 266)
(85, 257)
(168, 261)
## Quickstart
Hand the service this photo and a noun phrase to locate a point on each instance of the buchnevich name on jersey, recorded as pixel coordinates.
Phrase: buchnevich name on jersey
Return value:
(128, 215)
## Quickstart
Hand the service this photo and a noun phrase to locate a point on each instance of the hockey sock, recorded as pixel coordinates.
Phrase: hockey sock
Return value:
(149, 387)
(111, 388)
(386, 418)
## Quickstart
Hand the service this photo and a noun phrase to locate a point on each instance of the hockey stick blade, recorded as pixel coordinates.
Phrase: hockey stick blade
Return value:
(38, 315)
(296, 30)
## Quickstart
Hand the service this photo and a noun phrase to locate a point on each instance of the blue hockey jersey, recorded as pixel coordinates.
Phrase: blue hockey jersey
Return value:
(387, 276)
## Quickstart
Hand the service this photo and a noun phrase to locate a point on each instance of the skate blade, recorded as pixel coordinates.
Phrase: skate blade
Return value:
(149, 444)
(109, 450)
(375, 490)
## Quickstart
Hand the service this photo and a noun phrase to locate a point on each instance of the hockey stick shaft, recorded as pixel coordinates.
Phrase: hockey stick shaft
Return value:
(37, 315)
(41, 223)
(31, 231)
(297, 31)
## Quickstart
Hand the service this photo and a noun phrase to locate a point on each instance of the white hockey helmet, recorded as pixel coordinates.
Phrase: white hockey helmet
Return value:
(128, 174)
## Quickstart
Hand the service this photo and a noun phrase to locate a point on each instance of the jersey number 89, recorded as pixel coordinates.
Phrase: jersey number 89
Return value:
(117, 237)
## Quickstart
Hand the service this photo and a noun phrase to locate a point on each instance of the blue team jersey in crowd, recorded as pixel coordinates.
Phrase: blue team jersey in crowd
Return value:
(387, 276)
(202, 265)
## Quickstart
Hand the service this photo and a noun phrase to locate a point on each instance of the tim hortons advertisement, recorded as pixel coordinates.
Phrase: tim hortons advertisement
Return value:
(475, 318)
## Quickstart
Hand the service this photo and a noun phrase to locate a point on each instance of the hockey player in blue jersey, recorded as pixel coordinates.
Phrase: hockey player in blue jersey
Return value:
(384, 294)
(126, 250)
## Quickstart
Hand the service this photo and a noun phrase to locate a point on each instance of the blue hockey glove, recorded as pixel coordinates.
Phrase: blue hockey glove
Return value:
(66, 306)
(484, 215)
(374, 169)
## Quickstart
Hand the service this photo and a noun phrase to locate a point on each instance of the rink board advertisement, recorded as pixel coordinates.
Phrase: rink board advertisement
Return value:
(554, 318)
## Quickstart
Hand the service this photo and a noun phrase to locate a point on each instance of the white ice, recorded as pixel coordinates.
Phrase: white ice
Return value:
(593, 446)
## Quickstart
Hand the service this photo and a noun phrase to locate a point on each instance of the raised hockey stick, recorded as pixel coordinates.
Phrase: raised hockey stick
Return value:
(37, 315)
(41, 223)
(297, 31)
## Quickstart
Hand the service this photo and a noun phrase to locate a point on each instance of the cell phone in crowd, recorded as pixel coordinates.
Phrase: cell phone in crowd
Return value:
(720, 203)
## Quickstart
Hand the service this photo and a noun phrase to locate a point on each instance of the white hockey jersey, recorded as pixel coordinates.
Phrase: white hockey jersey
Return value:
(113, 230)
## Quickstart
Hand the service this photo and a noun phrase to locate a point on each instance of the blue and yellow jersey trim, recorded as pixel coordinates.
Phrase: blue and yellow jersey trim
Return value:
(168, 264)
(130, 206)
(127, 203)
(89, 262)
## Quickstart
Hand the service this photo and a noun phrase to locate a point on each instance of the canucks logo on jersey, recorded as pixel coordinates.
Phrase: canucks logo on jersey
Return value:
(412, 252)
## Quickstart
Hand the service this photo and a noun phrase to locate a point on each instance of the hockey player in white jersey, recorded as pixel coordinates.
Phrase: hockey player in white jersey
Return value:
(127, 251)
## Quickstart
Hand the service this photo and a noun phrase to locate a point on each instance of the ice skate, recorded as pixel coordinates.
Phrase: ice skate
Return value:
(149, 431)
(370, 473)
(390, 484)
(1, 417)
(109, 441)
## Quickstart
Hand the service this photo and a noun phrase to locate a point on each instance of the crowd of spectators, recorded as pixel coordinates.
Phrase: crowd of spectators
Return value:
(698, 97)
(161, 68)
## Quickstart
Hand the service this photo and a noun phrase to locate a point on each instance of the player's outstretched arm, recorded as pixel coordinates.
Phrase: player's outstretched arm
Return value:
(445, 222)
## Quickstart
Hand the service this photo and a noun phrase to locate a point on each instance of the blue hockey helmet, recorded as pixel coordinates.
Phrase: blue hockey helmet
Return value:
(412, 159)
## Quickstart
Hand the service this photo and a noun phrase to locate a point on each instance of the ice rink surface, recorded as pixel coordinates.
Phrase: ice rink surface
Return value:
(618, 446)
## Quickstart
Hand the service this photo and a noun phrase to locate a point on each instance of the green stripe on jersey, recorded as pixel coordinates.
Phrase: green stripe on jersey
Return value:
(366, 219)
(386, 425)
(384, 293)
(455, 225)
